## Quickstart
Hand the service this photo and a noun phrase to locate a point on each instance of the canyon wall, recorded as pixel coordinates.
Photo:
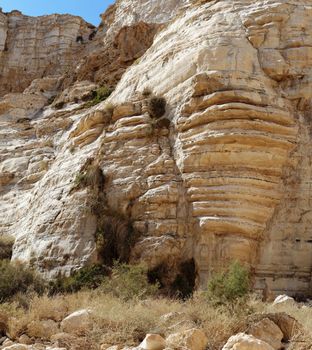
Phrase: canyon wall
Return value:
(225, 174)
(36, 47)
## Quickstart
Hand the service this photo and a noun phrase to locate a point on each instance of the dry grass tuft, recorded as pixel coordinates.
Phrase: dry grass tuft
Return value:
(6, 245)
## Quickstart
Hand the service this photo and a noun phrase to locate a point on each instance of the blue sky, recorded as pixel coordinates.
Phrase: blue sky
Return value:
(88, 9)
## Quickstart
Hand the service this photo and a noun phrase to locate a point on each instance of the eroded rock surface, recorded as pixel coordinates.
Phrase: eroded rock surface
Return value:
(36, 47)
(224, 175)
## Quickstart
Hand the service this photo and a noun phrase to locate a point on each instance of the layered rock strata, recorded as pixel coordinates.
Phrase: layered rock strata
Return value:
(36, 47)
(224, 175)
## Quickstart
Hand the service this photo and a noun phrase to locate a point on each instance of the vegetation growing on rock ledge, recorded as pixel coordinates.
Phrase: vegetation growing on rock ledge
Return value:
(99, 95)
(156, 106)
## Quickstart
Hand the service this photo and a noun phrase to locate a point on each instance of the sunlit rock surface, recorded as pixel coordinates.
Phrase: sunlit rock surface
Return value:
(229, 177)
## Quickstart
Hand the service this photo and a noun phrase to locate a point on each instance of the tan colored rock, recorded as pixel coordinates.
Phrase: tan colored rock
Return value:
(192, 339)
(287, 324)
(80, 91)
(51, 48)
(24, 339)
(267, 331)
(232, 169)
(153, 342)
(242, 341)
(77, 322)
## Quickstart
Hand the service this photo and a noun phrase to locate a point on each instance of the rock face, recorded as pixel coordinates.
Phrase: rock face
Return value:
(35, 47)
(224, 174)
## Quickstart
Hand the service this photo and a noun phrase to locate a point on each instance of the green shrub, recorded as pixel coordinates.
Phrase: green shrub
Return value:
(99, 95)
(156, 106)
(129, 282)
(89, 277)
(6, 245)
(15, 278)
(229, 285)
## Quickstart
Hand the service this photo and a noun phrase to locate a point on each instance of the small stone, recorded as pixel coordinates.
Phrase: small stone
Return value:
(284, 300)
(24, 339)
(153, 342)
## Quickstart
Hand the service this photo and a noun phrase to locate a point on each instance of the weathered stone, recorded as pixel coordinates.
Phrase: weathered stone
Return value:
(153, 342)
(51, 48)
(192, 339)
(267, 331)
(24, 339)
(284, 300)
(229, 179)
(244, 341)
(77, 322)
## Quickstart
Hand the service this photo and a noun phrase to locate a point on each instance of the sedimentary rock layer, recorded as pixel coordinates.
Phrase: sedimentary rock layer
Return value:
(225, 174)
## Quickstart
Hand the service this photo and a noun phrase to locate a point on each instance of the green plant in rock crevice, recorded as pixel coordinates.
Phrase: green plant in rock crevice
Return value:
(99, 95)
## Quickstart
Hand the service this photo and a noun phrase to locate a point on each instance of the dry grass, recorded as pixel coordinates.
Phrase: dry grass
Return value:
(120, 322)
(6, 244)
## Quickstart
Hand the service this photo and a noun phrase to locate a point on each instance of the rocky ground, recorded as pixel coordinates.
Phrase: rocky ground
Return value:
(224, 172)
(179, 132)
(94, 320)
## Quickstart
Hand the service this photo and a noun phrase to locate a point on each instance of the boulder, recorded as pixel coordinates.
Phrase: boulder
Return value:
(242, 341)
(267, 331)
(284, 300)
(153, 342)
(77, 322)
(287, 324)
(192, 339)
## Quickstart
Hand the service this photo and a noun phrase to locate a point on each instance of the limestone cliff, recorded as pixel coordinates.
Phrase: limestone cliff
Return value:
(33, 47)
(224, 174)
